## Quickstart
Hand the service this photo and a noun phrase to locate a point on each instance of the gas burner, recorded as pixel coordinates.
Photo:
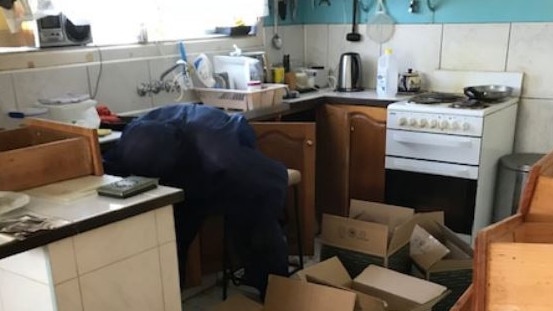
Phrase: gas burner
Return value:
(432, 98)
(469, 104)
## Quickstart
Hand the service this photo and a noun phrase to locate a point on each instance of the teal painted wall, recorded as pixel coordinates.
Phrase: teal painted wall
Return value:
(447, 11)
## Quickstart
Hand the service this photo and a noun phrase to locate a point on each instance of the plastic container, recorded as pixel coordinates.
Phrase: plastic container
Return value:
(243, 100)
(387, 75)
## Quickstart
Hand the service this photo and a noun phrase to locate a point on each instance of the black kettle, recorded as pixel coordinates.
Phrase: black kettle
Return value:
(349, 73)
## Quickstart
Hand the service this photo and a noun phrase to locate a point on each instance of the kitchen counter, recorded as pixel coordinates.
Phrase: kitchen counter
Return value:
(102, 254)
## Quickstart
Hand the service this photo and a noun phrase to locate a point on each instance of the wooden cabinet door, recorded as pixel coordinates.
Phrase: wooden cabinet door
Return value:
(293, 144)
(332, 160)
(350, 156)
(367, 144)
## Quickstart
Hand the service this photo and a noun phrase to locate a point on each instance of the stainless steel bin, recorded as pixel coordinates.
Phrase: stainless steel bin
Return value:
(512, 172)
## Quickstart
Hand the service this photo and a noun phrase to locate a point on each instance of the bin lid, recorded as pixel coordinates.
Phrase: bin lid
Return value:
(520, 161)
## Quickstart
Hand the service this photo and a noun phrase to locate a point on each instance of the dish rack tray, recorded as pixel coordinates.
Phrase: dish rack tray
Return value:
(269, 95)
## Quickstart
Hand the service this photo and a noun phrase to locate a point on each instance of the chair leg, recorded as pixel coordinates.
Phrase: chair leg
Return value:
(299, 236)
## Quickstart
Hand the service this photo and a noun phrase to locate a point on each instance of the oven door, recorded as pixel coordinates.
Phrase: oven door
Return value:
(434, 147)
(429, 186)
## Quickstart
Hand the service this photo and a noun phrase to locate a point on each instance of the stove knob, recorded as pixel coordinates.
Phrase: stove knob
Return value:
(455, 126)
(466, 126)
(423, 123)
(413, 122)
(402, 121)
(444, 125)
(433, 123)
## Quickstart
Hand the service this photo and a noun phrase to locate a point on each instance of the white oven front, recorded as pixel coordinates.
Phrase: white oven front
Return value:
(433, 147)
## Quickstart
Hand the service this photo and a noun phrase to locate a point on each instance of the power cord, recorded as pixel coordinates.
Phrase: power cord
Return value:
(97, 85)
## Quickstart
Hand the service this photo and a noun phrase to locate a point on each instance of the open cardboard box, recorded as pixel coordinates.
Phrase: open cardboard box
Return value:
(377, 288)
(294, 295)
(379, 231)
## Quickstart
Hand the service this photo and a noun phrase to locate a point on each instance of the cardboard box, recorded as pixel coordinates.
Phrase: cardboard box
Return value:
(294, 295)
(332, 273)
(402, 292)
(452, 269)
(374, 233)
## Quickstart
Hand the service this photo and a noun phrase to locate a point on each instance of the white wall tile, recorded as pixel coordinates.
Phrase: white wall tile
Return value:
(113, 242)
(131, 284)
(165, 224)
(292, 43)
(316, 45)
(530, 52)
(62, 260)
(475, 46)
(417, 47)
(32, 264)
(170, 276)
(367, 49)
(32, 84)
(68, 296)
(21, 293)
(118, 83)
(534, 126)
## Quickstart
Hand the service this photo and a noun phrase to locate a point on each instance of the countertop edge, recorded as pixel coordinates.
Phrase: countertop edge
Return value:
(45, 237)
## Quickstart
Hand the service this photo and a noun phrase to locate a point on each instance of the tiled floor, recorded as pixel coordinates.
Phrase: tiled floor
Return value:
(210, 293)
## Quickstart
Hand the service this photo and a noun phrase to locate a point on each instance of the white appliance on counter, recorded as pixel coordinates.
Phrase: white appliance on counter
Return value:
(442, 150)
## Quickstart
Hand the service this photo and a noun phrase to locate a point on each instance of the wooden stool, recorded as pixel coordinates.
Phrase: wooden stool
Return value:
(294, 180)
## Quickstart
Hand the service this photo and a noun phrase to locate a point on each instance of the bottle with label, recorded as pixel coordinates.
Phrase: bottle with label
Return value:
(387, 75)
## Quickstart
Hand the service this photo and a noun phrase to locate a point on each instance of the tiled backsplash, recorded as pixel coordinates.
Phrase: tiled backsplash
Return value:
(522, 47)
(518, 47)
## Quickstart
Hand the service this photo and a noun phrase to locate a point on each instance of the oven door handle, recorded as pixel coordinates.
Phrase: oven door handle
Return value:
(428, 169)
(435, 141)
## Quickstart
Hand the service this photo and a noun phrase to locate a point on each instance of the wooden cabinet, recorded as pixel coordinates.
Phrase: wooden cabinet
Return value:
(350, 156)
(293, 144)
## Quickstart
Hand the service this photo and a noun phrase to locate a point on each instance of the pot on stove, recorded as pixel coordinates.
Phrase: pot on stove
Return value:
(409, 81)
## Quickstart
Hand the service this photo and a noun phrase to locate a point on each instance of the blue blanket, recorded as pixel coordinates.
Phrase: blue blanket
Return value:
(212, 157)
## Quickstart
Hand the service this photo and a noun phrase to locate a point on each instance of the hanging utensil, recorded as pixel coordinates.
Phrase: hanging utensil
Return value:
(354, 36)
(276, 40)
(380, 27)
(282, 6)
(293, 9)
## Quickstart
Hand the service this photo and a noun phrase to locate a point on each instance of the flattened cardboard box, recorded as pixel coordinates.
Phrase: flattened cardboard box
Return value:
(402, 292)
(453, 270)
(294, 295)
(332, 273)
(374, 233)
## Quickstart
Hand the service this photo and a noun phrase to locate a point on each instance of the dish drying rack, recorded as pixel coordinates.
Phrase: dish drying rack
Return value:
(268, 95)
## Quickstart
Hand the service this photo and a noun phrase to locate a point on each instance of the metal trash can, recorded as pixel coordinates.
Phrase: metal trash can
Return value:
(512, 172)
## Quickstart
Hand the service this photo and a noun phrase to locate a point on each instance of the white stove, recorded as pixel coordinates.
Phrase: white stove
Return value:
(443, 156)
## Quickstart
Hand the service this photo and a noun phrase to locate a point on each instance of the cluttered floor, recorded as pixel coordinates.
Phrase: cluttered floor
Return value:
(210, 293)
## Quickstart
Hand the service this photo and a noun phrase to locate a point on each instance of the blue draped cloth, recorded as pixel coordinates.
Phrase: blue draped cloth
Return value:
(212, 156)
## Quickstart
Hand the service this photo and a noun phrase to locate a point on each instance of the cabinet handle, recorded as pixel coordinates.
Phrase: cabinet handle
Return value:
(352, 129)
(309, 142)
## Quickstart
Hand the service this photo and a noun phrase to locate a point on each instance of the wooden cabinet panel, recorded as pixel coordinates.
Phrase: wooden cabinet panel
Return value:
(367, 155)
(293, 144)
(350, 156)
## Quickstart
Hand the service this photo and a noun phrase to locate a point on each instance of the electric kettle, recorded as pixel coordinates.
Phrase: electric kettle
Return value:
(349, 73)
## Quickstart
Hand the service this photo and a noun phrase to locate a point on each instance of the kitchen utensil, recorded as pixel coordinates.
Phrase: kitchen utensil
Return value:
(488, 92)
(380, 27)
(293, 9)
(409, 81)
(282, 6)
(349, 73)
(276, 40)
(354, 36)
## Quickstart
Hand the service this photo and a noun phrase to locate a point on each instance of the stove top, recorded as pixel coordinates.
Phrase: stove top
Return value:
(450, 103)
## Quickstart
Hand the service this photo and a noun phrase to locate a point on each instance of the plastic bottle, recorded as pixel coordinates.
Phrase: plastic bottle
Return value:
(387, 75)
